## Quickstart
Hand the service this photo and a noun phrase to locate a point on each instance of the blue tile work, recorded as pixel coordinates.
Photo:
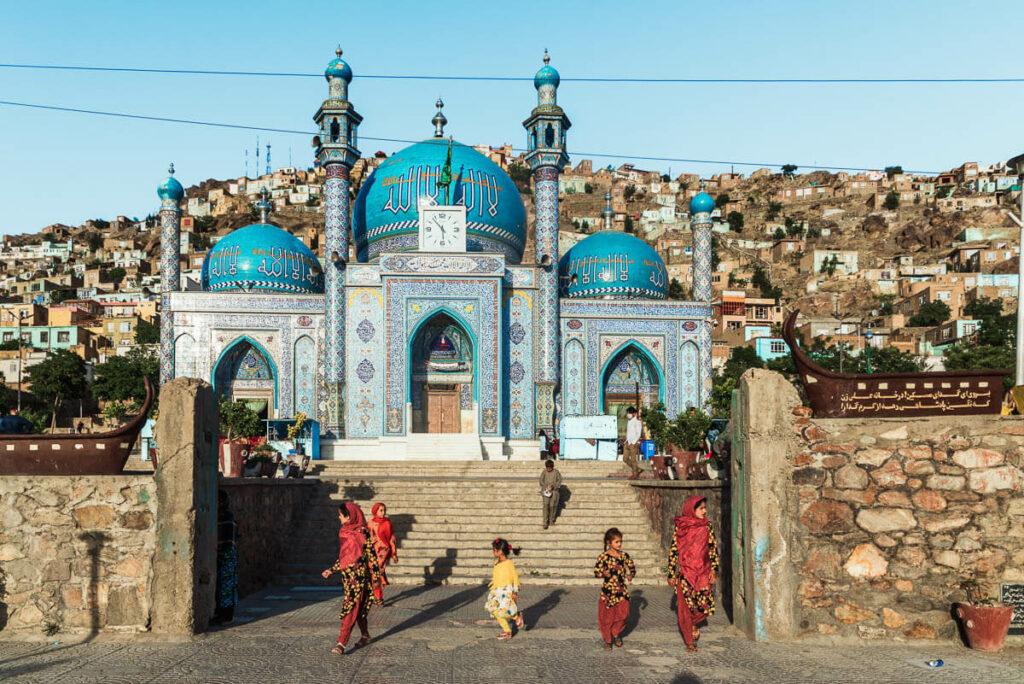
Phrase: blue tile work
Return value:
(336, 230)
(476, 304)
(573, 377)
(519, 364)
(304, 376)
(170, 279)
(364, 408)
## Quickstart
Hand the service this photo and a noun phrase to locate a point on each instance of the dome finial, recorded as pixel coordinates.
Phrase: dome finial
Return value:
(439, 119)
(264, 206)
(170, 169)
(337, 51)
(547, 57)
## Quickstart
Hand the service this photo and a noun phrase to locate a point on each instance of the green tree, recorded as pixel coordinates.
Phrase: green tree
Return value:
(763, 283)
(891, 171)
(95, 241)
(885, 303)
(114, 275)
(963, 356)
(628, 225)
(10, 345)
(146, 332)
(59, 296)
(892, 201)
(829, 265)
(588, 188)
(735, 220)
(120, 378)
(741, 359)
(238, 420)
(628, 192)
(722, 200)
(780, 234)
(813, 232)
(930, 314)
(715, 259)
(788, 170)
(721, 396)
(676, 289)
(773, 210)
(793, 228)
(59, 377)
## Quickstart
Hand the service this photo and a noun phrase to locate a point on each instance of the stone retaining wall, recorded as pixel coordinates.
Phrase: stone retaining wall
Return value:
(893, 514)
(76, 554)
(266, 511)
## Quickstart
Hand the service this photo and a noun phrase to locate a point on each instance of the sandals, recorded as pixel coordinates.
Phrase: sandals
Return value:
(363, 640)
(691, 648)
(520, 623)
(618, 641)
(338, 649)
(504, 636)
(607, 646)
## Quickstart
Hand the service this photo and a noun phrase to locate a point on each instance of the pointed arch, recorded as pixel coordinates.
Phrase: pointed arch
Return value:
(184, 357)
(690, 374)
(616, 357)
(234, 353)
(304, 364)
(573, 378)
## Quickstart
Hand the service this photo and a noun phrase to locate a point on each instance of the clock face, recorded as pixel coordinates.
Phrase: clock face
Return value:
(443, 230)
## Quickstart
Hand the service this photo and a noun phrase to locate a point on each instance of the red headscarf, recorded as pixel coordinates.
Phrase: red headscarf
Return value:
(352, 535)
(382, 528)
(692, 542)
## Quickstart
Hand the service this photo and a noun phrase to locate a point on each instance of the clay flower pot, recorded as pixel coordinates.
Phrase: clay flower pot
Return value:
(985, 626)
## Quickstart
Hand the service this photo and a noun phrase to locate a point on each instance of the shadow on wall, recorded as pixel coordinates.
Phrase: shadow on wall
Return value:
(441, 568)
(3, 600)
(94, 542)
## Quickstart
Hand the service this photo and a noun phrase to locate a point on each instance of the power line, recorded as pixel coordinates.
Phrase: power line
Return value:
(575, 79)
(290, 131)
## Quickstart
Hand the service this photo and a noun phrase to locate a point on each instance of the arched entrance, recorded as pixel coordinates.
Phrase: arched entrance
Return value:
(441, 386)
(245, 372)
(630, 378)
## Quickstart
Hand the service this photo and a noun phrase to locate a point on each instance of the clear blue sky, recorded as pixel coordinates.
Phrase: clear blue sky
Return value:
(57, 167)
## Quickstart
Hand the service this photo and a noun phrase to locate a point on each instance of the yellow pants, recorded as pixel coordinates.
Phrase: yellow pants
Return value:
(503, 623)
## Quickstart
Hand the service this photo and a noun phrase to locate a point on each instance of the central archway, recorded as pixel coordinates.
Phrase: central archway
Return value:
(442, 388)
(246, 372)
(630, 378)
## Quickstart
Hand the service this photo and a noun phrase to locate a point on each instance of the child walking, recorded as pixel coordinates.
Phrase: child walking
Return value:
(617, 570)
(501, 600)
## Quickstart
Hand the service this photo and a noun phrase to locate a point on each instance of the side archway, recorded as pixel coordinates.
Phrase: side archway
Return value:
(630, 377)
(304, 376)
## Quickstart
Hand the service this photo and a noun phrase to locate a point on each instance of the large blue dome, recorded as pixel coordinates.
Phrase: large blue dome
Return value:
(613, 265)
(702, 203)
(265, 258)
(386, 212)
(170, 189)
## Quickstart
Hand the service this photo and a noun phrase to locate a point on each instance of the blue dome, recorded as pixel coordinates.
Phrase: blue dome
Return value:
(547, 75)
(265, 258)
(614, 265)
(170, 189)
(702, 203)
(386, 215)
(338, 68)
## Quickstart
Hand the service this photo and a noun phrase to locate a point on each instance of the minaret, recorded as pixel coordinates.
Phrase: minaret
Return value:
(607, 214)
(336, 151)
(546, 156)
(701, 207)
(171, 194)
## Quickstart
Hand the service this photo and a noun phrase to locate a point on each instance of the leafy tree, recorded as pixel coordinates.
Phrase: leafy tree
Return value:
(10, 345)
(628, 225)
(203, 223)
(789, 169)
(721, 396)
(715, 259)
(95, 241)
(741, 359)
(995, 329)
(58, 296)
(773, 210)
(146, 332)
(722, 200)
(735, 220)
(793, 228)
(762, 282)
(885, 303)
(59, 377)
(665, 178)
(238, 420)
(588, 188)
(120, 378)
(102, 224)
(884, 360)
(892, 201)
(829, 265)
(676, 289)
(780, 234)
(628, 192)
(520, 175)
(813, 232)
(891, 171)
(930, 314)
(114, 275)
(977, 357)
(117, 411)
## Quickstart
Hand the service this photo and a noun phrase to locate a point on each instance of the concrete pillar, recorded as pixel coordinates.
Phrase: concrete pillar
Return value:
(185, 561)
(764, 581)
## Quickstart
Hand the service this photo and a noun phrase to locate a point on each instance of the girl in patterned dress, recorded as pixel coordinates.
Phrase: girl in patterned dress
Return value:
(501, 600)
(617, 570)
(693, 568)
(360, 575)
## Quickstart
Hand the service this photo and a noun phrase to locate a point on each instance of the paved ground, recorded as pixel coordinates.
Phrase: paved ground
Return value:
(439, 634)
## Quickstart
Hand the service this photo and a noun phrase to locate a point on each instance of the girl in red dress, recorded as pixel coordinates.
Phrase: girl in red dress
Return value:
(693, 568)
(383, 536)
(360, 575)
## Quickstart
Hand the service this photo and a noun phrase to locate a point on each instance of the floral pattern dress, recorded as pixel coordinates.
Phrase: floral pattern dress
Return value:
(702, 601)
(358, 581)
(501, 600)
(617, 573)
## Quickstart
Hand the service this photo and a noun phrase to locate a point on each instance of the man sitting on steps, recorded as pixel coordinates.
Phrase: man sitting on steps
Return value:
(550, 484)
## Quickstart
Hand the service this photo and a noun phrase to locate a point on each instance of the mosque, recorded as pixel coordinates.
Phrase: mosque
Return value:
(425, 331)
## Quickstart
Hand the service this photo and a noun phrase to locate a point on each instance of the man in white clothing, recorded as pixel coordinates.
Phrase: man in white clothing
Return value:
(631, 450)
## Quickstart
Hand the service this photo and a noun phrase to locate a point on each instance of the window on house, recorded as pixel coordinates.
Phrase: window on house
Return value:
(44, 337)
(63, 337)
(944, 296)
(733, 325)
(126, 327)
(8, 336)
(777, 347)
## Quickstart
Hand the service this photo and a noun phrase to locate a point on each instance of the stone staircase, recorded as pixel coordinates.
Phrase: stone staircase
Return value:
(457, 447)
(446, 514)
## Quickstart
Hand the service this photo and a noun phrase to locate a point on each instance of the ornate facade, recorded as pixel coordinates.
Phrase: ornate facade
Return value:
(413, 339)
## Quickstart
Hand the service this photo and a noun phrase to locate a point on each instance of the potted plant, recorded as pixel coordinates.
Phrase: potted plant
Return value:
(263, 457)
(687, 432)
(658, 428)
(985, 621)
(237, 423)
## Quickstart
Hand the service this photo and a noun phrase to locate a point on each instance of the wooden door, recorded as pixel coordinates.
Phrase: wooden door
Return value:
(443, 410)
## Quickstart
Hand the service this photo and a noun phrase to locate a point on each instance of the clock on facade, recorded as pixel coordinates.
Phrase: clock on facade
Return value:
(443, 228)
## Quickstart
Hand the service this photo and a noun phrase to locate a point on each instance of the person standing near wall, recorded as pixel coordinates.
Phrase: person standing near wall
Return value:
(360, 574)
(693, 569)
(550, 490)
(634, 433)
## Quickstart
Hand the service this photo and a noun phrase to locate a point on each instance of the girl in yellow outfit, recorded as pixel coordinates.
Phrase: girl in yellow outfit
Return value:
(501, 600)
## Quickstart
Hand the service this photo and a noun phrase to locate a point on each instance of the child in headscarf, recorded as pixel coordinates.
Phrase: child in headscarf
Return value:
(383, 536)
(502, 599)
(360, 574)
(617, 570)
(693, 568)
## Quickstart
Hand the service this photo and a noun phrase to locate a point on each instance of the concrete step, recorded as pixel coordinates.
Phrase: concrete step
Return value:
(469, 580)
(456, 447)
(486, 466)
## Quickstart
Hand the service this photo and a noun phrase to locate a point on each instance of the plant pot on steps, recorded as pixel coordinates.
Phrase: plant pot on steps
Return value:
(985, 626)
(660, 466)
(684, 460)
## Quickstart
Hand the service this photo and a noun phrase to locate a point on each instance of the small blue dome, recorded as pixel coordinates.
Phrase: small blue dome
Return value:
(613, 265)
(702, 203)
(265, 258)
(170, 189)
(338, 68)
(547, 75)
(386, 214)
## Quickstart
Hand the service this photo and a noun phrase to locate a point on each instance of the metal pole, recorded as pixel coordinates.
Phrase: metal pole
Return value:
(19, 363)
(1019, 376)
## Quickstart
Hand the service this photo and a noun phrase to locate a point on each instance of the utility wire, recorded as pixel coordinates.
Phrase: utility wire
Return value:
(576, 79)
(603, 155)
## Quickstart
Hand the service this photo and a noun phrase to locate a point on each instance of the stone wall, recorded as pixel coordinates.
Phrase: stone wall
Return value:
(266, 511)
(893, 514)
(76, 554)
